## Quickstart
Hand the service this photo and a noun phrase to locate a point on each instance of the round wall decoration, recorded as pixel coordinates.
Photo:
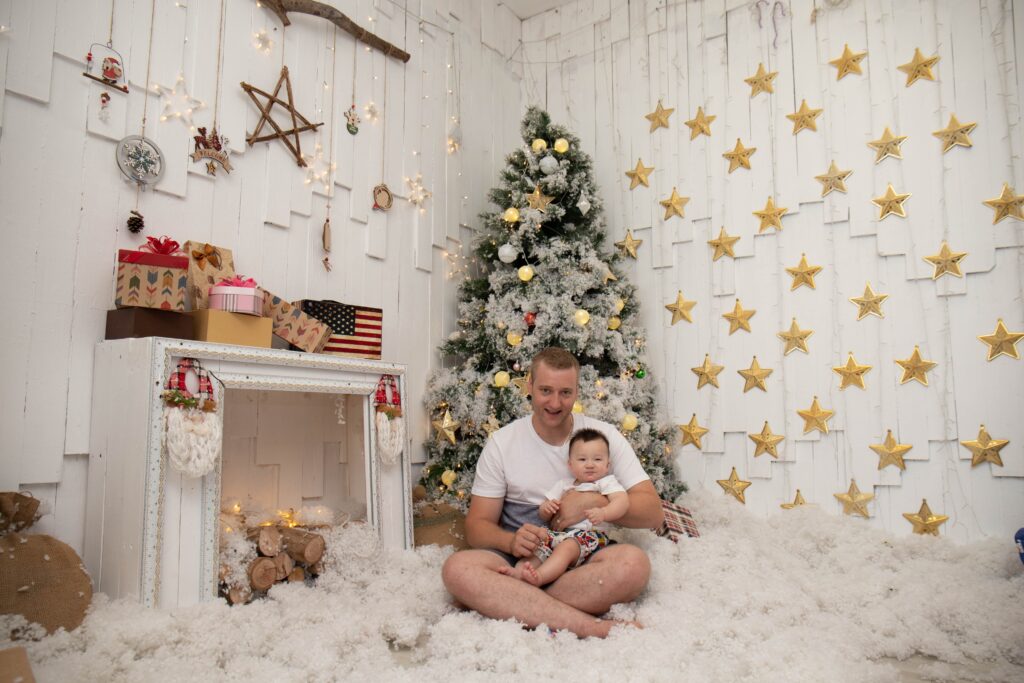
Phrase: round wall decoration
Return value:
(140, 160)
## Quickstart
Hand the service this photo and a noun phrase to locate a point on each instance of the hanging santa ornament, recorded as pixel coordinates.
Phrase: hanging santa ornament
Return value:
(192, 426)
(389, 423)
(507, 253)
(548, 165)
(104, 107)
(539, 145)
(561, 145)
(111, 70)
(352, 120)
(583, 204)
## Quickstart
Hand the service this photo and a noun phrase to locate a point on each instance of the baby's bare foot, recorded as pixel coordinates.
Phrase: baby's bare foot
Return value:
(510, 571)
(529, 575)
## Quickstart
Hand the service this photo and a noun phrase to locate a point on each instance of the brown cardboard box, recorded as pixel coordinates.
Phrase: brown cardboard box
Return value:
(147, 322)
(291, 324)
(224, 327)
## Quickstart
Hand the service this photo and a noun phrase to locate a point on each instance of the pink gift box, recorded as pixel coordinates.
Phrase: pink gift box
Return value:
(247, 300)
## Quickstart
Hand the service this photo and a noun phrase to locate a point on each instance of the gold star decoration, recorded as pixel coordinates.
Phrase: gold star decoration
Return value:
(804, 118)
(919, 67)
(692, 432)
(887, 146)
(723, 245)
(890, 452)
(608, 276)
(798, 501)
(1008, 204)
(446, 426)
(925, 522)
(639, 175)
(854, 502)
(795, 338)
(739, 156)
(659, 117)
(891, 203)
(707, 373)
(985, 448)
(761, 81)
(816, 417)
(766, 442)
(491, 425)
(870, 303)
(680, 308)
(674, 205)
(538, 200)
(848, 62)
(770, 215)
(946, 261)
(755, 376)
(803, 274)
(833, 179)
(734, 486)
(629, 245)
(914, 368)
(700, 124)
(1002, 342)
(852, 374)
(955, 133)
(739, 318)
(520, 384)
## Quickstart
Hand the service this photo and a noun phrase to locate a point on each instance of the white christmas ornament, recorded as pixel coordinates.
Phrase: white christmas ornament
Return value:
(548, 165)
(583, 204)
(507, 253)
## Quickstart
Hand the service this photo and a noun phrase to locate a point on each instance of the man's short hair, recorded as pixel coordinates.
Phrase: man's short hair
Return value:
(588, 434)
(556, 358)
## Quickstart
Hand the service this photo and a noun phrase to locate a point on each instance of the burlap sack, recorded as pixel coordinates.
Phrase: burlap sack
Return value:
(14, 666)
(440, 524)
(17, 511)
(43, 580)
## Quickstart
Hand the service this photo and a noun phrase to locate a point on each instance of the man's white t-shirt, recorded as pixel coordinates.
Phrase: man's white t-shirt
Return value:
(605, 485)
(519, 466)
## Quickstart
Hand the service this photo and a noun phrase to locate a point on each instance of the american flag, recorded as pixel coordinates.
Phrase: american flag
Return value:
(356, 329)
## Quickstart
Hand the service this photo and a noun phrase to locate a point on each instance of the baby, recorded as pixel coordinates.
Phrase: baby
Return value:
(589, 464)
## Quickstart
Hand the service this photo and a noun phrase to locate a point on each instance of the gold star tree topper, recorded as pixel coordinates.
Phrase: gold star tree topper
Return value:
(659, 117)
(761, 81)
(755, 376)
(739, 156)
(919, 67)
(700, 124)
(954, 134)
(795, 338)
(854, 502)
(848, 62)
(925, 521)
(798, 501)
(707, 372)
(770, 215)
(915, 367)
(946, 261)
(723, 245)
(985, 448)
(890, 452)
(891, 203)
(816, 417)
(739, 318)
(803, 274)
(628, 244)
(692, 432)
(804, 118)
(833, 179)
(852, 374)
(766, 442)
(638, 176)
(887, 146)
(674, 205)
(1008, 204)
(538, 200)
(734, 486)
(680, 308)
(446, 426)
(870, 303)
(1002, 342)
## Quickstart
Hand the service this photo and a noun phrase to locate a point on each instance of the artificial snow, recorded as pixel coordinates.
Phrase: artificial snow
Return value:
(802, 596)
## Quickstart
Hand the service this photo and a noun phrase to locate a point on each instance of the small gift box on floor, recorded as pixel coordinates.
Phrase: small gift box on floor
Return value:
(355, 330)
(678, 522)
(237, 294)
(152, 277)
(207, 265)
(294, 326)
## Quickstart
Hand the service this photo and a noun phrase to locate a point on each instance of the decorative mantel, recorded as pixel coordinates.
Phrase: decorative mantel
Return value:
(151, 533)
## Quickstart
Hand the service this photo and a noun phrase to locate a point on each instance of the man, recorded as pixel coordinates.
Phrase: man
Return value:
(520, 462)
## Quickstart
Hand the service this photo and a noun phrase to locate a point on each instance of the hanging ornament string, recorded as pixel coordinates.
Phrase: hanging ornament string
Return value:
(326, 235)
(220, 51)
(145, 96)
(384, 123)
(110, 31)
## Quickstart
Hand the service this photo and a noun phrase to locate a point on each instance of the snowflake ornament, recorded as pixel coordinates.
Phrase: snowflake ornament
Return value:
(140, 160)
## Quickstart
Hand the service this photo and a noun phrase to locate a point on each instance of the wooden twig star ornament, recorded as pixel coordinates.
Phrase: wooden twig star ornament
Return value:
(300, 123)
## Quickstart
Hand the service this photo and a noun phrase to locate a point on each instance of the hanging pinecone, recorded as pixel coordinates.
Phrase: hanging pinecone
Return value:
(135, 222)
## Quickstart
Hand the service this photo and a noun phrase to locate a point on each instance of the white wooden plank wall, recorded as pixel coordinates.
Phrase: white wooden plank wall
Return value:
(600, 66)
(65, 203)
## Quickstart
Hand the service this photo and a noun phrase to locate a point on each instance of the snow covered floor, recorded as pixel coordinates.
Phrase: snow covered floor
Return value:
(803, 596)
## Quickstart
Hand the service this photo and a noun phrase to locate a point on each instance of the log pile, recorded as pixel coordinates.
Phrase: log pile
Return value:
(282, 554)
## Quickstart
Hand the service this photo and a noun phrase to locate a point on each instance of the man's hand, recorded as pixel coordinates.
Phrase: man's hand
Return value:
(574, 506)
(548, 509)
(595, 515)
(527, 539)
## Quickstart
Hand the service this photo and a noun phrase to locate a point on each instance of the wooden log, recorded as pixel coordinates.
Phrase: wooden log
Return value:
(267, 538)
(262, 573)
(239, 595)
(317, 569)
(284, 564)
(303, 546)
(296, 575)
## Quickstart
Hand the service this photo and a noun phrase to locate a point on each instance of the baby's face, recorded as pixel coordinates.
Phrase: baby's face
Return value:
(588, 460)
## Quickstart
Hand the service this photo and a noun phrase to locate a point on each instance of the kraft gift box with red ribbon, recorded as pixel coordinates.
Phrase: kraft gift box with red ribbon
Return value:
(294, 326)
(237, 294)
(152, 277)
(207, 265)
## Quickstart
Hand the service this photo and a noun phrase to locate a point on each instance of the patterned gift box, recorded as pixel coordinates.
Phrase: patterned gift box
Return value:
(355, 330)
(151, 280)
(237, 295)
(678, 522)
(207, 265)
(294, 326)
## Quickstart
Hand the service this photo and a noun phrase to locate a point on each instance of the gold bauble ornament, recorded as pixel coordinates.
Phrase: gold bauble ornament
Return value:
(629, 422)
(539, 145)
(561, 145)
(581, 317)
(501, 325)
(525, 273)
(514, 338)
(619, 305)
(577, 408)
(501, 379)
(511, 215)
(614, 322)
(448, 477)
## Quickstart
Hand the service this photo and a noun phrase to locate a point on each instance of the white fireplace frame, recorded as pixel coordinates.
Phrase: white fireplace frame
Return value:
(131, 537)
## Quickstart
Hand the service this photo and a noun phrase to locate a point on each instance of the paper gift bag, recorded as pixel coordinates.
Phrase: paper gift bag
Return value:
(152, 277)
(207, 265)
(355, 330)
(294, 326)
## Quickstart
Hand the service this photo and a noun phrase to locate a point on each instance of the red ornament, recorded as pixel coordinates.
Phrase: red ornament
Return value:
(530, 318)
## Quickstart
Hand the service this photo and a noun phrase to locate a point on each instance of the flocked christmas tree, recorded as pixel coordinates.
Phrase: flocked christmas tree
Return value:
(546, 281)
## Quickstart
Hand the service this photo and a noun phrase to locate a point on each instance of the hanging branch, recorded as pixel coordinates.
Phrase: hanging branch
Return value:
(318, 9)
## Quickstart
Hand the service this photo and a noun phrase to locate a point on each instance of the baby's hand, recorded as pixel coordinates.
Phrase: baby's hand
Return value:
(549, 508)
(595, 515)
